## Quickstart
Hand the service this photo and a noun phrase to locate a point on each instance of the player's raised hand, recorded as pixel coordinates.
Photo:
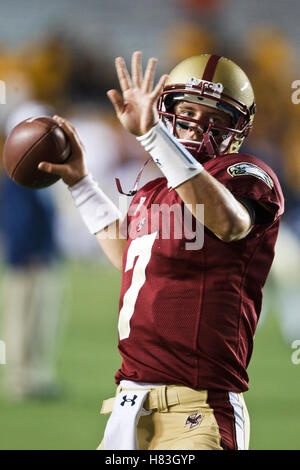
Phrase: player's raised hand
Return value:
(136, 105)
(74, 169)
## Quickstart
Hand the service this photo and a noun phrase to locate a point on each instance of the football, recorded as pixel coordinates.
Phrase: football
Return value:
(31, 142)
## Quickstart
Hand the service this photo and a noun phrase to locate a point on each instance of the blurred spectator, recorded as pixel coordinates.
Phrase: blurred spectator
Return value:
(19, 87)
(272, 63)
(91, 76)
(204, 5)
(31, 285)
(48, 65)
(185, 39)
(291, 146)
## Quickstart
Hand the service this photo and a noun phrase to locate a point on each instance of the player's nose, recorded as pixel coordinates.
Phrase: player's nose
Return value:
(195, 131)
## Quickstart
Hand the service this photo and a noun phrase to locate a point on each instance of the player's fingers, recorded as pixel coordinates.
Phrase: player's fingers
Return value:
(54, 169)
(157, 90)
(61, 120)
(123, 75)
(69, 130)
(136, 69)
(69, 127)
(116, 100)
(149, 75)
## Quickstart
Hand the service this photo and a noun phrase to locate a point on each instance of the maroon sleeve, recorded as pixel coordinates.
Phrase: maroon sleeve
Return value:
(248, 177)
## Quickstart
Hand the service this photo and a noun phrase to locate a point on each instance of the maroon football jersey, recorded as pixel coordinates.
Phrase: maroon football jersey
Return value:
(188, 316)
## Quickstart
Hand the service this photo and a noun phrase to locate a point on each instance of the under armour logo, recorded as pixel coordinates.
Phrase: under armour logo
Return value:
(130, 400)
(101, 214)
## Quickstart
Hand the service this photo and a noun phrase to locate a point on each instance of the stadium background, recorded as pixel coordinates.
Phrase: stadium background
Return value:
(60, 55)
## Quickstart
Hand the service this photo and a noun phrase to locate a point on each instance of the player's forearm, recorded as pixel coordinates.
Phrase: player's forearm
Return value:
(101, 217)
(224, 215)
(112, 243)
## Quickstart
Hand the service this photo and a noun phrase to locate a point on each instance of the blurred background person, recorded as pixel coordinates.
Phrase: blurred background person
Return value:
(186, 39)
(30, 291)
(31, 283)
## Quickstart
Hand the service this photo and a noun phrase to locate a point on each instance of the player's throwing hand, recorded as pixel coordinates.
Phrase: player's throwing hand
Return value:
(74, 169)
(136, 106)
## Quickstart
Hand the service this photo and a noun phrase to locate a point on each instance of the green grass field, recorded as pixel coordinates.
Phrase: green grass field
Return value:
(89, 359)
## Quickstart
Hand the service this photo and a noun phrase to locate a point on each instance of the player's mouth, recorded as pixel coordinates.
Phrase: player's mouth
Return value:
(203, 144)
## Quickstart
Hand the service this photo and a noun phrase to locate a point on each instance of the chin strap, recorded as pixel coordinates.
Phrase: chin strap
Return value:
(210, 144)
(133, 191)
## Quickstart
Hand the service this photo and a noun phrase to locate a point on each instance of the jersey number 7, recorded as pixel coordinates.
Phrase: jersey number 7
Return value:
(140, 247)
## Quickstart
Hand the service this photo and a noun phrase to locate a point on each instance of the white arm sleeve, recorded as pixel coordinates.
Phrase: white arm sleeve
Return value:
(96, 209)
(176, 163)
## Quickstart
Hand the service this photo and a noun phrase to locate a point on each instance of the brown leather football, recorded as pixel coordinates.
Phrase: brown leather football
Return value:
(33, 141)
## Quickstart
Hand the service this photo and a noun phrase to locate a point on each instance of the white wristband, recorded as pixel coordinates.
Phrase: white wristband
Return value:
(176, 163)
(96, 209)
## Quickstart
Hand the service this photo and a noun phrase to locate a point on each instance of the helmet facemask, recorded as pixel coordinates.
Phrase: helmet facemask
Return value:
(216, 139)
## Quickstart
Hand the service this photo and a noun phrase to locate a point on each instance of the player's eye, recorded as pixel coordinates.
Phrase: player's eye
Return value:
(187, 113)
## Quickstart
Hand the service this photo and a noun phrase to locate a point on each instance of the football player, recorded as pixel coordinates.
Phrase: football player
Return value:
(187, 316)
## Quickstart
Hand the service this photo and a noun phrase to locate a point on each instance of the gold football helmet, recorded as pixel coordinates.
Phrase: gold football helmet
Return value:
(216, 82)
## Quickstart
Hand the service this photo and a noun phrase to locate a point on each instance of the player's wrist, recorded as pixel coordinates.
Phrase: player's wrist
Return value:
(96, 209)
(71, 182)
(144, 135)
(175, 162)
(148, 128)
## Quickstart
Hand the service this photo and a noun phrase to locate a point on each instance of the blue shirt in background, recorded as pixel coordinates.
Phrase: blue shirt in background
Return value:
(27, 224)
